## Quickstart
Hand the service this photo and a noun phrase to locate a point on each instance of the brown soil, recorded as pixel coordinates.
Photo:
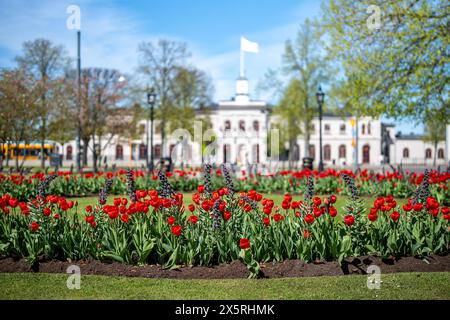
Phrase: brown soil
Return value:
(288, 268)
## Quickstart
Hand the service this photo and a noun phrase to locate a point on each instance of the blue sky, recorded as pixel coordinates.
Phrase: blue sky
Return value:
(112, 31)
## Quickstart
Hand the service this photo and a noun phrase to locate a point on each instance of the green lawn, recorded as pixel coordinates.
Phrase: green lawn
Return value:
(394, 286)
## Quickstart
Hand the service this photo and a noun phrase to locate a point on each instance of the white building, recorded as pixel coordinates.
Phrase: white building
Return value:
(241, 127)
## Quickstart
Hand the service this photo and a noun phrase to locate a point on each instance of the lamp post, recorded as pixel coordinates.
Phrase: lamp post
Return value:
(151, 97)
(320, 98)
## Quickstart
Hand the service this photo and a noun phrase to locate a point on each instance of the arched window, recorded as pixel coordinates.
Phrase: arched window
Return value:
(157, 151)
(342, 129)
(342, 151)
(142, 151)
(327, 152)
(406, 153)
(366, 154)
(227, 125)
(368, 128)
(327, 129)
(119, 152)
(256, 126)
(69, 152)
(363, 129)
(242, 125)
(428, 153)
(226, 153)
(440, 153)
(312, 151)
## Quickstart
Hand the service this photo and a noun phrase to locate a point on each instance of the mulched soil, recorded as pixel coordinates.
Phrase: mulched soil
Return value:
(236, 269)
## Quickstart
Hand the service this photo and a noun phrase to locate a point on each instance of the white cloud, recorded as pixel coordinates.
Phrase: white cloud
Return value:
(110, 38)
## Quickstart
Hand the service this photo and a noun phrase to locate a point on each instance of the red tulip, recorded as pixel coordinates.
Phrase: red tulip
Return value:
(34, 226)
(176, 230)
(278, 217)
(193, 219)
(47, 212)
(201, 188)
(418, 207)
(227, 215)
(372, 217)
(309, 218)
(333, 198)
(191, 207)
(124, 218)
(317, 201)
(266, 221)
(407, 207)
(395, 215)
(306, 234)
(244, 243)
(349, 220)
(171, 220)
(89, 208)
(333, 211)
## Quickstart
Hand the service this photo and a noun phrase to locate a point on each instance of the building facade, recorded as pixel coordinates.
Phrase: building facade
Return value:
(241, 128)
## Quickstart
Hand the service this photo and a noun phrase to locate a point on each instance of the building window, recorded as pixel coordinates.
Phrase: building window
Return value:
(406, 153)
(142, 151)
(226, 153)
(312, 151)
(327, 129)
(366, 154)
(342, 129)
(428, 153)
(69, 152)
(440, 153)
(119, 152)
(256, 126)
(227, 125)
(256, 153)
(157, 151)
(342, 151)
(363, 129)
(368, 128)
(327, 152)
(242, 125)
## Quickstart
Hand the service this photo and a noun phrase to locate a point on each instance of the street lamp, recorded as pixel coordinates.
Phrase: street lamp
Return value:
(151, 97)
(320, 98)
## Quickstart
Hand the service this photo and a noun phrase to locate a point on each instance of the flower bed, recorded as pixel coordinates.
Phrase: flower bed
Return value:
(154, 226)
(399, 185)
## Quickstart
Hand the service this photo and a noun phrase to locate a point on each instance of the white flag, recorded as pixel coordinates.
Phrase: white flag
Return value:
(248, 46)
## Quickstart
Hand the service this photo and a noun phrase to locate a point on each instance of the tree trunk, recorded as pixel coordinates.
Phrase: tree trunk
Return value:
(43, 142)
(85, 151)
(8, 155)
(16, 160)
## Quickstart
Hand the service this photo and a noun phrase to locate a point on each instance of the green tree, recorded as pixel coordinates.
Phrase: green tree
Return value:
(435, 128)
(19, 100)
(306, 65)
(46, 62)
(394, 55)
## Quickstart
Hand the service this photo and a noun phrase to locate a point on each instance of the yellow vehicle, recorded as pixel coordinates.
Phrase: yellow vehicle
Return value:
(29, 151)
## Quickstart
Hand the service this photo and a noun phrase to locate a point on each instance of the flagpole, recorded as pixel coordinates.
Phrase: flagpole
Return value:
(242, 63)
